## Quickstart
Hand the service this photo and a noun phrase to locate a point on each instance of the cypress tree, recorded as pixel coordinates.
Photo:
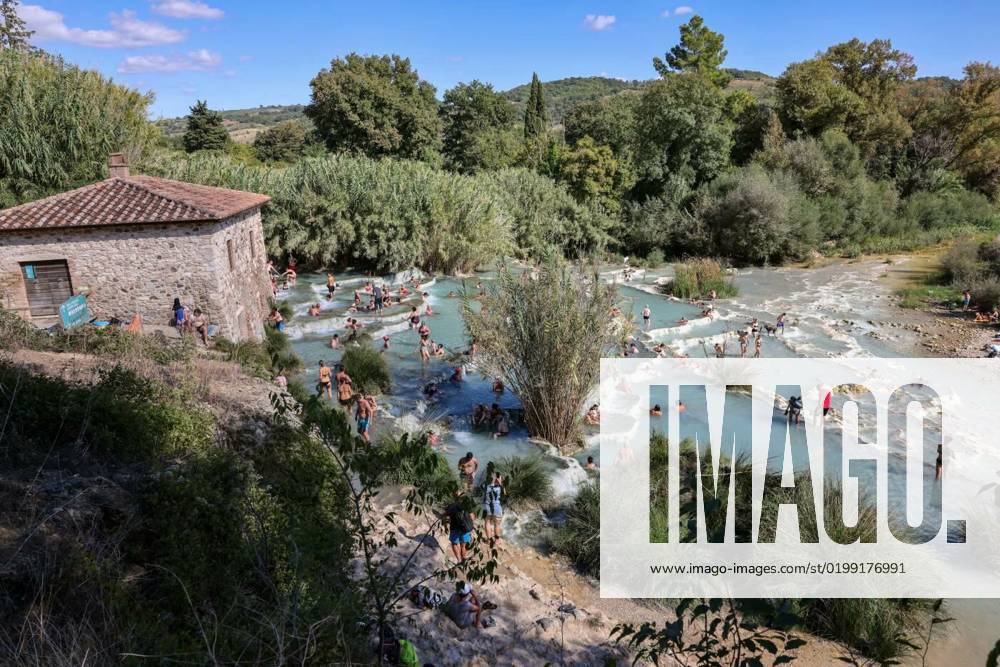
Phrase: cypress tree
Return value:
(534, 111)
(205, 130)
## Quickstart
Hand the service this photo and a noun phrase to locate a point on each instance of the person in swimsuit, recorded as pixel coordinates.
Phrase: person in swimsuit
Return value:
(414, 318)
(200, 325)
(325, 383)
(656, 411)
(758, 342)
(335, 341)
(744, 342)
(345, 387)
(365, 414)
(461, 523)
(646, 314)
(277, 319)
(331, 285)
(780, 324)
(591, 465)
(939, 463)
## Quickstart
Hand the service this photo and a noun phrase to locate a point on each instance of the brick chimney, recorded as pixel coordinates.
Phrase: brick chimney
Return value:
(117, 166)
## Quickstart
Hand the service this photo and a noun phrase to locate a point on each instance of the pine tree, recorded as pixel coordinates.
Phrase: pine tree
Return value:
(14, 33)
(534, 112)
(205, 130)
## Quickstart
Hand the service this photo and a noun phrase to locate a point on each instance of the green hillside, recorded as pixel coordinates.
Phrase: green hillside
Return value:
(562, 95)
(243, 124)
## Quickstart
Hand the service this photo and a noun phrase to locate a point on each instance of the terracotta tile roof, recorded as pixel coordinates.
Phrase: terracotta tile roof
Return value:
(127, 201)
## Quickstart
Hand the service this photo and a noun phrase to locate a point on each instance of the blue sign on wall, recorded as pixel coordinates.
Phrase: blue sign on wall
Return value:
(74, 311)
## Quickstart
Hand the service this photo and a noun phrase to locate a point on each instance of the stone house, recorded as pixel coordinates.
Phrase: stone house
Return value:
(132, 244)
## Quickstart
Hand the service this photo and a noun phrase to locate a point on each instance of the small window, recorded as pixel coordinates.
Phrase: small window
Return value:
(232, 254)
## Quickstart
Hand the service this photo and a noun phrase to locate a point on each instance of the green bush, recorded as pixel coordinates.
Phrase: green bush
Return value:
(123, 415)
(399, 469)
(655, 259)
(389, 215)
(368, 369)
(696, 278)
(527, 482)
(59, 122)
(579, 537)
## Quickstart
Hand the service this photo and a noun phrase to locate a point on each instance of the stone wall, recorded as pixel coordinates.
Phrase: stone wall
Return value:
(239, 305)
(141, 268)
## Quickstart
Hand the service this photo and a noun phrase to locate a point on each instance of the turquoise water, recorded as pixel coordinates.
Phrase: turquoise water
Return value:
(831, 311)
(828, 310)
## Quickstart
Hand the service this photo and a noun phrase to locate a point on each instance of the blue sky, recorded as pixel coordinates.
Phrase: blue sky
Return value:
(242, 53)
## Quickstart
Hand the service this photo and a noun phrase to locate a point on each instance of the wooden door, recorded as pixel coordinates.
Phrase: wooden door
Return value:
(48, 285)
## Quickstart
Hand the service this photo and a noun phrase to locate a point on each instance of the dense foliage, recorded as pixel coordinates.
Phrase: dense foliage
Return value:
(478, 128)
(844, 153)
(59, 123)
(376, 106)
(205, 129)
(284, 142)
(543, 333)
(389, 215)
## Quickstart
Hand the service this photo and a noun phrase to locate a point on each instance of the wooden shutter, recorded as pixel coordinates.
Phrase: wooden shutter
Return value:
(47, 285)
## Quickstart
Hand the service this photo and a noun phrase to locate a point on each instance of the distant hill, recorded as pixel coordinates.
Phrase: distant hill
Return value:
(562, 95)
(244, 124)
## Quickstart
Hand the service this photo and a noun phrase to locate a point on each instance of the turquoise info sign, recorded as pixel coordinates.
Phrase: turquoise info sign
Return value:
(74, 311)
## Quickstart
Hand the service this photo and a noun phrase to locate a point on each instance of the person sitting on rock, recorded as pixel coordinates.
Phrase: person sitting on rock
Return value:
(464, 608)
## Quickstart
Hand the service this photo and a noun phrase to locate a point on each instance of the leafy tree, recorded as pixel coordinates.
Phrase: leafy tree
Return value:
(811, 101)
(477, 124)
(375, 106)
(871, 70)
(14, 34)
(757, 217)
(58, 123)
(535, 118)
(551, 374)
(205, 129)
(593, 174)
(853, 86)
(701, 51)
(609, 121)
(681, 130)
(284, 142)
(973, 119)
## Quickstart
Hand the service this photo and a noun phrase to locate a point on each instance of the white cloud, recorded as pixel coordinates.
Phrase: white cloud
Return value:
(201, 60)
(126, 30)
(599, 21)
(230, 73)
(683, 9)
(187, 9)
(245, 59)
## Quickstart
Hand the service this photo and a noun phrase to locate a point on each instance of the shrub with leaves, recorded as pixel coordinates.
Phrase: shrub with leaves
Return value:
(368, 369)
(526, 480)
(717, 633)
(543, 333)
